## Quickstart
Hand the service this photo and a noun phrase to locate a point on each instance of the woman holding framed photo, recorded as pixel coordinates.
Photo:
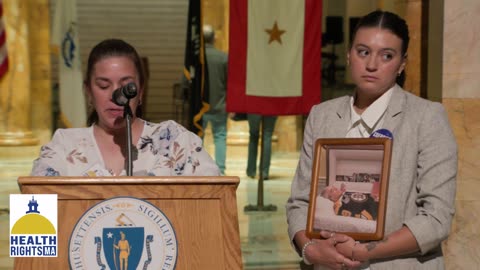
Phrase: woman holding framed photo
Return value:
(422, 175)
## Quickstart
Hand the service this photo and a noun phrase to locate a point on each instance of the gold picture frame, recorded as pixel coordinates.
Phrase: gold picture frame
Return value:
(348, 192)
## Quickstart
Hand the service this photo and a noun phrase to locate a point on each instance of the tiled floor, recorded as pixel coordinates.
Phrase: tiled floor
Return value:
(263, 234)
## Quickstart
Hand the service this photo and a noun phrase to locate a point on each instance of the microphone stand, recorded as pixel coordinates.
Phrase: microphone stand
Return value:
(127, 115)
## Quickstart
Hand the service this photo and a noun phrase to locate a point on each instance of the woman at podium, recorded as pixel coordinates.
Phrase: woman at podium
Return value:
(114, 70)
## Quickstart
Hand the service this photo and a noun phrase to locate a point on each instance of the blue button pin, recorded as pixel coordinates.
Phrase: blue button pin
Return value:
(382, 133)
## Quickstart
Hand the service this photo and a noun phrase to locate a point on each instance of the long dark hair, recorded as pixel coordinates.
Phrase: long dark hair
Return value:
(389, 21)
(109, 48)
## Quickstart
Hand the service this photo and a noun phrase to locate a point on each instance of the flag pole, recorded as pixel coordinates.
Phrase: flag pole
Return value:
(260, 206)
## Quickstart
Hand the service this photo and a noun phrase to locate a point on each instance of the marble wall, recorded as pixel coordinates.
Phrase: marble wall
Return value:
(461, 97)
(461, 49)
(462, 248)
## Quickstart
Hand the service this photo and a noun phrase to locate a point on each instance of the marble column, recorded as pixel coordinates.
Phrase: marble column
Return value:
(413, 70)
(461, 98)
(15, 107)
(41, 71)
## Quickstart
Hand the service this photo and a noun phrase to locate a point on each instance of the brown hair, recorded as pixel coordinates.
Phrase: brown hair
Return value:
(109, 48)
(388, 21)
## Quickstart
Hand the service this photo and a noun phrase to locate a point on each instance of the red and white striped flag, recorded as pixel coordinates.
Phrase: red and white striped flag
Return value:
(274, 56)
(3, 45)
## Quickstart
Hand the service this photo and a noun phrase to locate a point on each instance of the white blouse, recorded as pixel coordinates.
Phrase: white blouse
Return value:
(164, 149)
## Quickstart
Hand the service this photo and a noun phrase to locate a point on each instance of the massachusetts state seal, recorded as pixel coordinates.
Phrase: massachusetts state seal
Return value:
(122, 233)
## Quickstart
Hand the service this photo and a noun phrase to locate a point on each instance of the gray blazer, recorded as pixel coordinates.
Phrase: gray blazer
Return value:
(423, 171)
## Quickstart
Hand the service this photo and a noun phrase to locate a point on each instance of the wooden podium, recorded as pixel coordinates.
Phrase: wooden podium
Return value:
(202, 211)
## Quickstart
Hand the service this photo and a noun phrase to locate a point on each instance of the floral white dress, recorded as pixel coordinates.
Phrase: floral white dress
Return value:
(164, 149)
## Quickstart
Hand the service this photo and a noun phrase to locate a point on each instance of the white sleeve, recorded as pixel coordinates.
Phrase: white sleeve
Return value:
(51, 161)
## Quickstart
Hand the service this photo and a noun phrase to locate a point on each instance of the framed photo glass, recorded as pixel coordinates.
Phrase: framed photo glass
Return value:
(348, 192)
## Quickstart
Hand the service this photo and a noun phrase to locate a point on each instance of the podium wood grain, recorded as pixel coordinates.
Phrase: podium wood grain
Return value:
(202, 210)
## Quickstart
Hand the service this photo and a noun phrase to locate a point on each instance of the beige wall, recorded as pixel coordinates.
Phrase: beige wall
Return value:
(461, 97)
(461, 50)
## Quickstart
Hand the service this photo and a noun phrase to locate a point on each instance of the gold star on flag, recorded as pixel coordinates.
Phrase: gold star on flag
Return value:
(275, 33)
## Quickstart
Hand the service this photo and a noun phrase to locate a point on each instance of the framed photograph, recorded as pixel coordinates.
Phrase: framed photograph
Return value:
(348, 193)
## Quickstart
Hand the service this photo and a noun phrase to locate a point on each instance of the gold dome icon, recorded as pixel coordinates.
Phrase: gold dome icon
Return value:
(33, 224)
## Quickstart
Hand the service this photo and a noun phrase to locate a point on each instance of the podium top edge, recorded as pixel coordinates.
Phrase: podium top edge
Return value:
(146, 180)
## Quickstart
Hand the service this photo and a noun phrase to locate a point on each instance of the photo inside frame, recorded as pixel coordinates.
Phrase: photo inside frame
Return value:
(357, 170)
(347, 198)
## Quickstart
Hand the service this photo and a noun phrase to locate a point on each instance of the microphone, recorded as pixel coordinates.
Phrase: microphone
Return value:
(122, 95)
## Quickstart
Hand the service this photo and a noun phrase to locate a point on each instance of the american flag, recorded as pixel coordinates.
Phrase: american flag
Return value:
(3, 45)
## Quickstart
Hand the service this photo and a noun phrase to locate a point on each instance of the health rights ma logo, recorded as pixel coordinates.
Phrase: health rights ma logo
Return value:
(33, 225)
